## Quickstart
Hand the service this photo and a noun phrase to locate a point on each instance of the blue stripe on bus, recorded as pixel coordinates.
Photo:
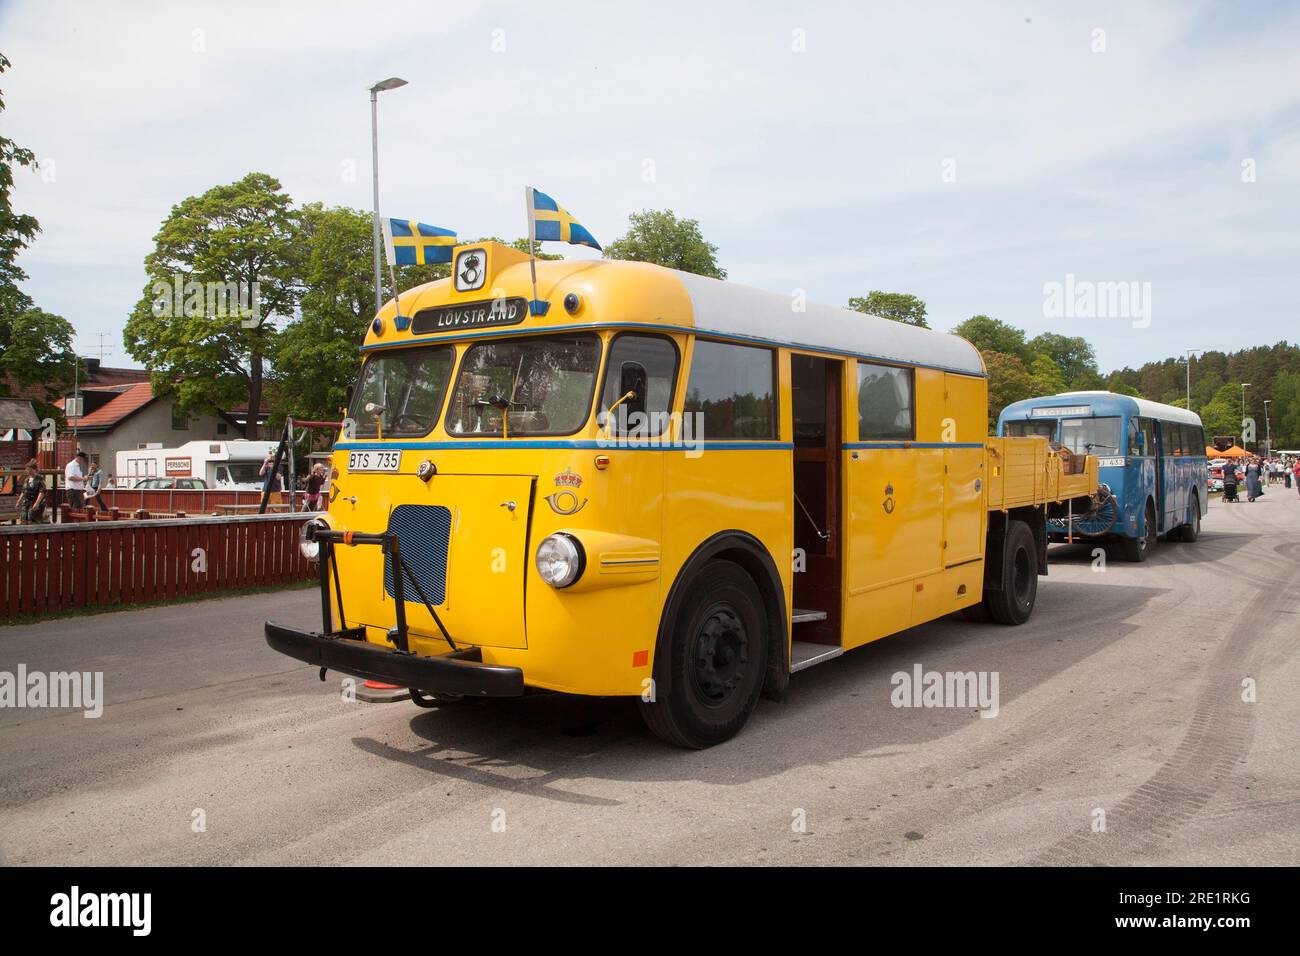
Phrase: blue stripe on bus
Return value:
(580, 443)
(706, 333)
(855, 445)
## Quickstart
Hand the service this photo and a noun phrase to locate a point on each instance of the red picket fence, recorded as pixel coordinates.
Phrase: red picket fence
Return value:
(119, 563)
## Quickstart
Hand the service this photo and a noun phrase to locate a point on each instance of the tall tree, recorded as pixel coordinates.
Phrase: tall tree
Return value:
(1009, 381)
(658, 236)
(898, 306)
(35, 346)
(241, 240)
(1072, 355)
(991, 335)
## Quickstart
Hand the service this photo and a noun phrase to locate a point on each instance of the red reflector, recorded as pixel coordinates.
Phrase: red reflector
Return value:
(640, 658)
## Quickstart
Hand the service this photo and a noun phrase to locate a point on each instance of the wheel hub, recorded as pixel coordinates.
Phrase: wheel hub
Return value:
(721, 653)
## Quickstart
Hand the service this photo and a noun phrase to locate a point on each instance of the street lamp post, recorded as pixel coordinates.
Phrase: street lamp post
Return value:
(1244, 386)
(1268, 430)
(391, 83)
(1189, 375)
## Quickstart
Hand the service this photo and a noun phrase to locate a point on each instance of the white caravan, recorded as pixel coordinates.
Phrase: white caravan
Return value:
(228, 465)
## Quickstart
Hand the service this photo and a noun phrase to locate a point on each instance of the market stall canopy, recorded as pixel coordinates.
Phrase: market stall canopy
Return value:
(1233, 452)
(18, 413)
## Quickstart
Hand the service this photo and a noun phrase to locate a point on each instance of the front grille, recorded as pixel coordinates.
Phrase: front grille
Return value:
(424, 532)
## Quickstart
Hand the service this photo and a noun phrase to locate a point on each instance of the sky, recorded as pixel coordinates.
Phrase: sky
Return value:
(983, 156)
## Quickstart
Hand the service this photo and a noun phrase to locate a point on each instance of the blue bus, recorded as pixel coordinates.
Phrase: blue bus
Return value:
(1152, 457)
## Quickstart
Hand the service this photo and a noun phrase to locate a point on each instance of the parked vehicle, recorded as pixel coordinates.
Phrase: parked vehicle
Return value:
(1152, 457)
(166, 484)
(228, 465)
(660, 486)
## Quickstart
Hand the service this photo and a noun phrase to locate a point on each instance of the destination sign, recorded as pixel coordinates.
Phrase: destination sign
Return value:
(472, 315)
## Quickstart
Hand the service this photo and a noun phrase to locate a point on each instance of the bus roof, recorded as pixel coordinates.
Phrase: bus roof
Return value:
(621, 293)
(1104, 403)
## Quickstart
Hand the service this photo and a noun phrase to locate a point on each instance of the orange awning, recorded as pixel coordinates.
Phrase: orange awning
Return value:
(1233, 452)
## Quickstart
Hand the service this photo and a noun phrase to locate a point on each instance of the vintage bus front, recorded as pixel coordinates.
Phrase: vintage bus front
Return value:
(484, 531)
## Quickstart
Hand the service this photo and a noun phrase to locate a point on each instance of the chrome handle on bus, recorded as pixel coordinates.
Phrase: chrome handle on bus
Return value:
(508, 505)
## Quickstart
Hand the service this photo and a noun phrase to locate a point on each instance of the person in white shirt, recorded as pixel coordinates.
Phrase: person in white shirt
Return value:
(74, 479)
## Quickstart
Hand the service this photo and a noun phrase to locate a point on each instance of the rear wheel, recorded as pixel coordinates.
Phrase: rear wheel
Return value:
(717, 653)
(1137, 549)
(1014, 602)
(1192, 529)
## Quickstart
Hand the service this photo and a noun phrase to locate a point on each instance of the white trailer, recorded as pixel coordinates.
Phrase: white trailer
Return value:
(229, 465)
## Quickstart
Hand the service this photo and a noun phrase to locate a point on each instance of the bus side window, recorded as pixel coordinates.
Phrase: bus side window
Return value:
(1148, 430)
(1134, 439)
(631, 358)
(733, 389)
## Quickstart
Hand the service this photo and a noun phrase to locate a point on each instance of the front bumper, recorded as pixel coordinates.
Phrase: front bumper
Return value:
(460, 672)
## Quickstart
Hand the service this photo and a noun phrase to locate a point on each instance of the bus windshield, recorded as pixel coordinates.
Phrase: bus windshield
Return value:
(1091, 436)
(545, 385)
(401, 390)
(1039, 426)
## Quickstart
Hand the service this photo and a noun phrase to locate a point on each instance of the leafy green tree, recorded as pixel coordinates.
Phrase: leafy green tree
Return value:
(1286, 410)
(991, 335)
(658, 236)
(35, 346)
(898, 306)
(1072, 354)
(1222, 414)
(316, 357)
(1047, 376)
(208, 351)
(1009, 381)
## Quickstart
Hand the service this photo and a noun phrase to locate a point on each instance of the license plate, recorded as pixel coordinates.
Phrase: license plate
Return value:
(374, 460)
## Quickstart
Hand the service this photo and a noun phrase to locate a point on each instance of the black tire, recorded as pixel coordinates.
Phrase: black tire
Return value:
(976, 613)
(1190, 531)
(1138, 549)
(1014, 602)
(717, 655)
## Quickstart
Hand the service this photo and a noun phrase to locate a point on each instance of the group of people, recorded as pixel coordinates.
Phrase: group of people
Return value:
(1256, 472)
(82, 481)
(313, 487)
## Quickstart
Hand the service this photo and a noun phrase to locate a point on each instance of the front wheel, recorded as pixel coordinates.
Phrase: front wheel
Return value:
(1137, 549)
(1014, 601)
(717, 654)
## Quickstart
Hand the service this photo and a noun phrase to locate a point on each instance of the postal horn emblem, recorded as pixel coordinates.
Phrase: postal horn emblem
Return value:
(565, 503)
(471, 269)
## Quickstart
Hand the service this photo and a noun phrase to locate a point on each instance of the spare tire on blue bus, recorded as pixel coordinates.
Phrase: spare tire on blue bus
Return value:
(716, 658)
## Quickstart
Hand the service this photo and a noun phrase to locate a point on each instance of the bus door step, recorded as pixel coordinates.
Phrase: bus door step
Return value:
(804, 616)
(804, 654)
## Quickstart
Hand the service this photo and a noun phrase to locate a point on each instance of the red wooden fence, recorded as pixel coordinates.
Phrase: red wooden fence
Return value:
(119, 563)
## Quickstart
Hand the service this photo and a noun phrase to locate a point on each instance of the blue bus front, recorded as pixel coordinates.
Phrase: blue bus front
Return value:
(1152, 456)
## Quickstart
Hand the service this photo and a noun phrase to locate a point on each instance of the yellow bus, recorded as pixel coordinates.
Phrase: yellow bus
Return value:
(660, 486)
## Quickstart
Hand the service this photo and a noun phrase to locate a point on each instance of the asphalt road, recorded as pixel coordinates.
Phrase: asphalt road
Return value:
(1122, 695)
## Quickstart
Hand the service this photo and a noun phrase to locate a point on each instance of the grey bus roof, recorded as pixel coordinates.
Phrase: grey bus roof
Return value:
(738, 311)
(1146, 409)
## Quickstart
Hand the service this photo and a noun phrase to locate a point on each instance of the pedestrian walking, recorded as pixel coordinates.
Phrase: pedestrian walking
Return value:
(94, 484)
(314, 482)
(33, 496)
(74, 479)
(1253, 488)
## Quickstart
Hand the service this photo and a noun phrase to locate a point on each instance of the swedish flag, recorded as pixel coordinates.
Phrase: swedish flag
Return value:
(411, 243)
(548, 221)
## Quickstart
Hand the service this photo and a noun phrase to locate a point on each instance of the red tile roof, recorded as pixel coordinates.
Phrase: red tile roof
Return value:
(131, 399)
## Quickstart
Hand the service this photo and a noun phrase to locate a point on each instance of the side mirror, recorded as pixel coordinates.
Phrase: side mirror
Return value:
(632, 378)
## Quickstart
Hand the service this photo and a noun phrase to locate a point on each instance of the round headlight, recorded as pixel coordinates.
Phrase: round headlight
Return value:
(307, 542)
(560, 560)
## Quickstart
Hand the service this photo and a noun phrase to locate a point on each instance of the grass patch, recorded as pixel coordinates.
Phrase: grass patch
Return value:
(96, 610)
